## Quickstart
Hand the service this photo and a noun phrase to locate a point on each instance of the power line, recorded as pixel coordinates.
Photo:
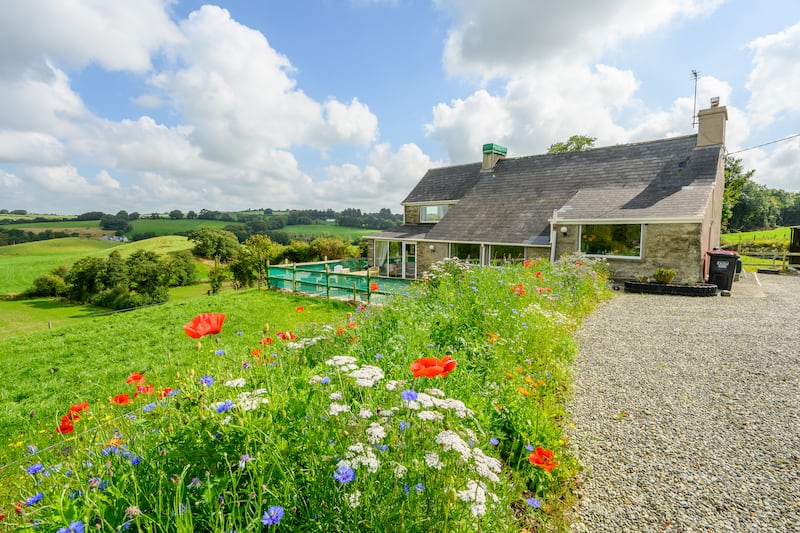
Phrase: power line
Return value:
(765, 144)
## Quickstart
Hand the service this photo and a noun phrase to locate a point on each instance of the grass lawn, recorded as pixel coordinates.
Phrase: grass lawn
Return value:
(777, 234)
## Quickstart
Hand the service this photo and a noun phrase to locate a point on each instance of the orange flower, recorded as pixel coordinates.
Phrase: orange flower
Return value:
(523, 391)
(509, 375)
(65, 426)
(121, 399)
(164, 392)
(431, 367)
(540, 290)
(299, 308)
(115, 442)
(539, 274)
(265, 341)
(135, 378)
(518, 289)
(145, 389)
(351, 340)
(286, 335)
(373, 287)
(255, 352)
(205, 324)
(352, 325)
(543, 459)
(578, 263)
(340, 330)
(528, 263)
(78, 407)
(493, 337)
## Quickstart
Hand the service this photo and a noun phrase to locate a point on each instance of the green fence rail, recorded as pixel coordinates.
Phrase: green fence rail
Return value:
(345, 279)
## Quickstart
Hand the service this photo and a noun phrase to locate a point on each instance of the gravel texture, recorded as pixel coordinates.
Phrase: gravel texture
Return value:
(686, 411)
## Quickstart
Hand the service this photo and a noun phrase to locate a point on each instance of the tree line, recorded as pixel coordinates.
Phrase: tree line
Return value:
(116, 283)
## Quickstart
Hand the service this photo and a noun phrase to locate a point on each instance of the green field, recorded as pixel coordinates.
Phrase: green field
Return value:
(316, 230)
(777, 234)
(22, 263)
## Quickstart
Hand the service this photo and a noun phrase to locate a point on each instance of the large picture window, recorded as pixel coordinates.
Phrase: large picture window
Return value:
(620, 240)
(466, 252)
(432, 213)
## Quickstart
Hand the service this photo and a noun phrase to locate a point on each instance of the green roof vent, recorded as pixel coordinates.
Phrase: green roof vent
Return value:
(492, 148)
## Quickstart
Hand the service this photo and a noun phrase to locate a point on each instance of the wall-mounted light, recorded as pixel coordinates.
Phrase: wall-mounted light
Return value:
(564, 230)
(432, 247)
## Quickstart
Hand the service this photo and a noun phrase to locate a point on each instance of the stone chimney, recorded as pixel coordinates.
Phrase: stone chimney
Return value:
(492, 153)
(711, 124)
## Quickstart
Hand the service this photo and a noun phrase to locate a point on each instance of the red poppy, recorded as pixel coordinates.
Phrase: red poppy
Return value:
(135, 378)
(538, 274)
(72, 416)
(431, 367)
(352, 325)
(164, 392)
(543, 459)
(65, 426)
(373, 286)
(266, 341)
(145, 389)
(121, 399)
(340, 330)
(528, 263)
(286, 335)
(299, 308)
(205, 324)
(540, 290)
(255, 352)
(78, 407)
(518, 289)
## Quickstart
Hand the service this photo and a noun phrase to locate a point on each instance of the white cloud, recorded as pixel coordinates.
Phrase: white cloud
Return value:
(30, 147)
(117, 35)
(384, 181)
(777, 167)
(9, 181)
(775, 77)
(502, 36)
(238, 94)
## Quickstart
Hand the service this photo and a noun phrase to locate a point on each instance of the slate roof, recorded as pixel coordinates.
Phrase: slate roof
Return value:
(411, 232)
(513, 203)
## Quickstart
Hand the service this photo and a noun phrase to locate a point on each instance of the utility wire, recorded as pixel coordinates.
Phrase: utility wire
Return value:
(765, 144)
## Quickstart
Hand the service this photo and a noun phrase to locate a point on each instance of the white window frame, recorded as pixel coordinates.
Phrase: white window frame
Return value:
(438, 207)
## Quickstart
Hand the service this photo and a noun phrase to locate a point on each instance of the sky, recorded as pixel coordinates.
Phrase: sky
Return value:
(157, 105)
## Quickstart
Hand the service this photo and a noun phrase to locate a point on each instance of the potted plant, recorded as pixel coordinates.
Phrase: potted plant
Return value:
(664, 275)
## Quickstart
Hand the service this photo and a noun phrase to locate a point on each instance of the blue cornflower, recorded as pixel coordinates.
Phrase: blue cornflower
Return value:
(108, 450)
(409, 395)
(533, 502)
(32, 449)
(207, 381)
(173, 392)
(378, 356)
(384, 447)
(74, 527)
(529, 447)
(419, 487)
(273, 516)
(36, 498)
(344, 474)
(219, 352)
(404, 425)
(240, 333)
(75, 494)
(244, 460)
(149, 407)
(471, 442)
(406, 488)
(35, 469)
(130, 416)
(325, 380)
(494, 442)
(246, 365)
(135, 460)
(227, 405)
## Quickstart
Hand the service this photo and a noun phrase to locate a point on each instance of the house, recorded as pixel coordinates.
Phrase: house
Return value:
(640, 206)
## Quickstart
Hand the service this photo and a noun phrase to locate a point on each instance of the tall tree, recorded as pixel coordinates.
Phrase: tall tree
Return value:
(576, 143)
(735, 180)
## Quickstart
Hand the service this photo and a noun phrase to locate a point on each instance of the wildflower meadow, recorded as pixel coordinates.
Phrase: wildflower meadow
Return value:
(440, 410)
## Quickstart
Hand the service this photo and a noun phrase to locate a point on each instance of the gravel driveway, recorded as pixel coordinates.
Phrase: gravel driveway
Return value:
(686, 411)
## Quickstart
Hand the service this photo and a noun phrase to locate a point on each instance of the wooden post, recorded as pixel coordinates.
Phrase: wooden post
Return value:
(327, 282)
(267, 276)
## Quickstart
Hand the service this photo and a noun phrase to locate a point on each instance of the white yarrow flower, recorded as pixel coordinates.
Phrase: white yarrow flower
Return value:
(449, 440)
(340, 360)
(336, 396)
(400, 471)
(430, 415)
(354, 499)
(395, 384)
(239, 382)
(486, 467)
(337, 408)
(375, 433)
(433, 461)
(367, 375)
(365, 413)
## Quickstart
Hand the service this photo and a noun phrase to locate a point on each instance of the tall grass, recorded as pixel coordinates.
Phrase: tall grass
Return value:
(328, 431)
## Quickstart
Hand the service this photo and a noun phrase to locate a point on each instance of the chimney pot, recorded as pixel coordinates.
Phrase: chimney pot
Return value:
(715, 101)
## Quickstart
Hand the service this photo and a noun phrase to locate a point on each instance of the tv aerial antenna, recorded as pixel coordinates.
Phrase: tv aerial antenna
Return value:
(695, 74)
